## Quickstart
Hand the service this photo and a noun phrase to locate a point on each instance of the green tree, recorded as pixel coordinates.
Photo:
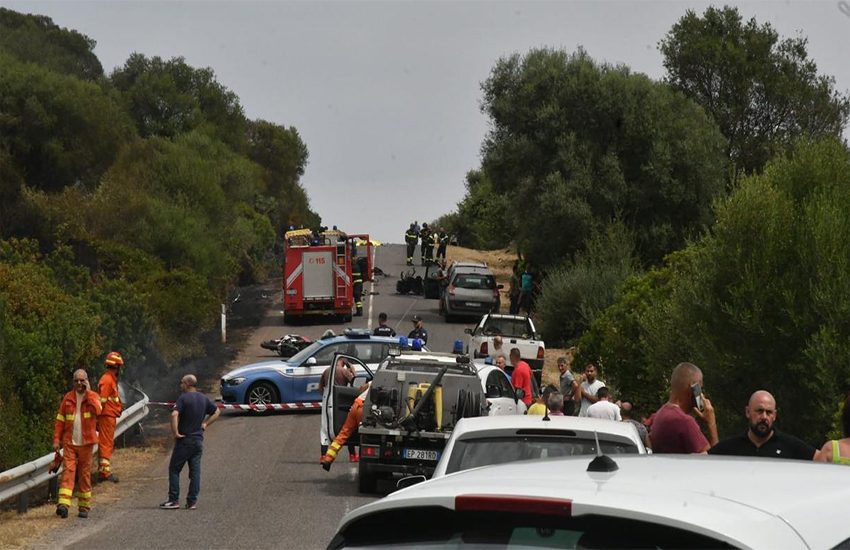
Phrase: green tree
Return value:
(575, 144)
(759, 302)
(36, 39)
(575, 294)
(56, 130)
(168, 98)
(764, 92)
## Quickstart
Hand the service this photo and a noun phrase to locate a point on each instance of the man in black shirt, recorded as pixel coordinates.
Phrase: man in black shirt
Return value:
(382, 329)
(762, 439)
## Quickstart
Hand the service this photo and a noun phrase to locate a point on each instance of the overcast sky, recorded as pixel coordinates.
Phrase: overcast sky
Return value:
(386, 95)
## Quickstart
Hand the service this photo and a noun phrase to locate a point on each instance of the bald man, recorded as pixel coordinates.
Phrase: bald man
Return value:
(674, 429)
(761, 437)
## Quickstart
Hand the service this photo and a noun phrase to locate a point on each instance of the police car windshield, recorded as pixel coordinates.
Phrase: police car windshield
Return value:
(302, 355)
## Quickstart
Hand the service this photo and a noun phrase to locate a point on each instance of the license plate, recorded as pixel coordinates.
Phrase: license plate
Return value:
(472, 304)
(421, 454)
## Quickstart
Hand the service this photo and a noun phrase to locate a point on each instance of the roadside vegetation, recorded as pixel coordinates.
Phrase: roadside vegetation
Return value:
(131, 204)
(699, 218)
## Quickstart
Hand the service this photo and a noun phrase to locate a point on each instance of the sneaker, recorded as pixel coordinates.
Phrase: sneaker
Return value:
(191, 505)
(354, 458)
(62, 511)
(83, 513)
(170, 505)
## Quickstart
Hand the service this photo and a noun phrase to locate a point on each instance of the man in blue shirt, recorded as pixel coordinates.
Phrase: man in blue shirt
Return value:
(193, 413)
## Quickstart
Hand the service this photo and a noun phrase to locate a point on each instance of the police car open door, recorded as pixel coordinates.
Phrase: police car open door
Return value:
(337, 397)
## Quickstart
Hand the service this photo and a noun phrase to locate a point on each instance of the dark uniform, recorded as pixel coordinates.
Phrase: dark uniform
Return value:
(443, 239)
(359, 267)
(427, 246)
(420, 333)
(411, 238)
(383, 331)
(780, 445)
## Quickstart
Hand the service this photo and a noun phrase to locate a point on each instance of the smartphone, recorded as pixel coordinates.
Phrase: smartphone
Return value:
(696, 391)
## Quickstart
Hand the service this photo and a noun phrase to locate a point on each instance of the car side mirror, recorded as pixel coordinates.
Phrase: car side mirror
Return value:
(409, 481)
(310, 361)
(467, 331)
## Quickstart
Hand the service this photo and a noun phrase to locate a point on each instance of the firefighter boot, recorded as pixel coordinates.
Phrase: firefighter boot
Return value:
(62, 511)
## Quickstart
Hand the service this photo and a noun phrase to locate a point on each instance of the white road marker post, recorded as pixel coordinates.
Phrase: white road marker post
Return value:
(223, 324)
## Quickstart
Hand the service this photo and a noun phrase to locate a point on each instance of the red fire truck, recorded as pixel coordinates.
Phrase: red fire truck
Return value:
(317, 274)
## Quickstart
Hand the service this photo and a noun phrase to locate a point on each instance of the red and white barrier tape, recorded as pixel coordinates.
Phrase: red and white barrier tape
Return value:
(269, 407)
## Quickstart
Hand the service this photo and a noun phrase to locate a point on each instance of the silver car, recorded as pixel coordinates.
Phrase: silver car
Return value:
(471, 291)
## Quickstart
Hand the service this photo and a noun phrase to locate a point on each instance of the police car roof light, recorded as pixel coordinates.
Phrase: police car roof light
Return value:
(357, 333)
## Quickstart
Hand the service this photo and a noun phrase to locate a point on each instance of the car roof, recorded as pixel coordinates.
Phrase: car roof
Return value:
(425, 357)
(486, 426)
(506, 316)
(747, 502)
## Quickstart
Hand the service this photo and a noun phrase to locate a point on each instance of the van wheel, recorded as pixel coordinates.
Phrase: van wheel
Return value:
(367, 481)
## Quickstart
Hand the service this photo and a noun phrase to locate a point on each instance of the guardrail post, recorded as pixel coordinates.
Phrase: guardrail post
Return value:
(223, 324)
(23, 502)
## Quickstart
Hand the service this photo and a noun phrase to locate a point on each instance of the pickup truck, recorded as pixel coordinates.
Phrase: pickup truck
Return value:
(516, 331)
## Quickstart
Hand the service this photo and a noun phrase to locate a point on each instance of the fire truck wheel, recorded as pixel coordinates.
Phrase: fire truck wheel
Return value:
(262, 393)
(346, 318)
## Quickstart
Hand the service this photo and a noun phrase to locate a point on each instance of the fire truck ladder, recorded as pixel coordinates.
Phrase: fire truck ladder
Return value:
(340, 261)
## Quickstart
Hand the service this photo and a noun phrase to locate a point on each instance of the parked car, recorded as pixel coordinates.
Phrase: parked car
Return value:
(296, 380)
(471, 291)
(485, 441)
(649, 501)
(516, 331)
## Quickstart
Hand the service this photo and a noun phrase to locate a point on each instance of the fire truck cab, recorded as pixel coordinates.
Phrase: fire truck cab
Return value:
(317, 274)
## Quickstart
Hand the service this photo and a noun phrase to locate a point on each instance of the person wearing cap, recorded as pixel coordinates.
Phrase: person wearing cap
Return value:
(111, 407)
(382, 329)
(418, 330)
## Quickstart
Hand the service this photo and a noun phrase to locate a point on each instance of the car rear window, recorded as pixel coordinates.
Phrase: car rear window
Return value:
(501, 326)
(472, 453)
(475, 281)
(438, 527)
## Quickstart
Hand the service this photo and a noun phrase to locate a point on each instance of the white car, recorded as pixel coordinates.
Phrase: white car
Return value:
(516, 331)
(502, 397)
(650, 501)
(484, 441)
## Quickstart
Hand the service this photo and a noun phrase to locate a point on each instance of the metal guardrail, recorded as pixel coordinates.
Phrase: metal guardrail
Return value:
(25, 477)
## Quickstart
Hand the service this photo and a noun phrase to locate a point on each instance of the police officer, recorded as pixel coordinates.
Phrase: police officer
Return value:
(382, 329)
(427, 248)
(411, 238)
(418, 330)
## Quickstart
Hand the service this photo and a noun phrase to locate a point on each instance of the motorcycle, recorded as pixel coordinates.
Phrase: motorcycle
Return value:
(287, 345)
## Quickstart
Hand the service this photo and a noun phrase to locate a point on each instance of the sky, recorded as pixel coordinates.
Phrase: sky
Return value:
(387, 95)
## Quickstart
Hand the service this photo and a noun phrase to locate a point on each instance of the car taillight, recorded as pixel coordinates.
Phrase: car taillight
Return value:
(540, 352)
(369, 450)
(451, 290)
(515, 504)
(484, 349)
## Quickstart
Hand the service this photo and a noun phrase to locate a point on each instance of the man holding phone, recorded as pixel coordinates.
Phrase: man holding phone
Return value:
(674, 430)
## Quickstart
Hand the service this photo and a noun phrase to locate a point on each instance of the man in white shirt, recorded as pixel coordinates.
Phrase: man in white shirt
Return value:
(589, 387)
(603, 408)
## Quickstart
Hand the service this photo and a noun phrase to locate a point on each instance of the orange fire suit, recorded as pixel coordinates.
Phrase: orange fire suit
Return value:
(110, 400)
(352, 423)
(77, 458)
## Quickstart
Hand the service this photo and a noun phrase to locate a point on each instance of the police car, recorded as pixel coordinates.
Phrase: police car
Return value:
(296, 380)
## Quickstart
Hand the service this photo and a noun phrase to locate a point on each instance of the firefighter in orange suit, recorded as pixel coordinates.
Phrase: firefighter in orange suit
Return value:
(76, 431)
(110, 400)
(349, 429)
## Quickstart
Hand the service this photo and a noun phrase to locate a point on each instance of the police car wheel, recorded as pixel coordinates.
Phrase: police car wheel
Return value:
(262, 393)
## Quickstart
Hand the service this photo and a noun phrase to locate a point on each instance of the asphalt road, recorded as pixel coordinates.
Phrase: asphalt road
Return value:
(262, 486)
